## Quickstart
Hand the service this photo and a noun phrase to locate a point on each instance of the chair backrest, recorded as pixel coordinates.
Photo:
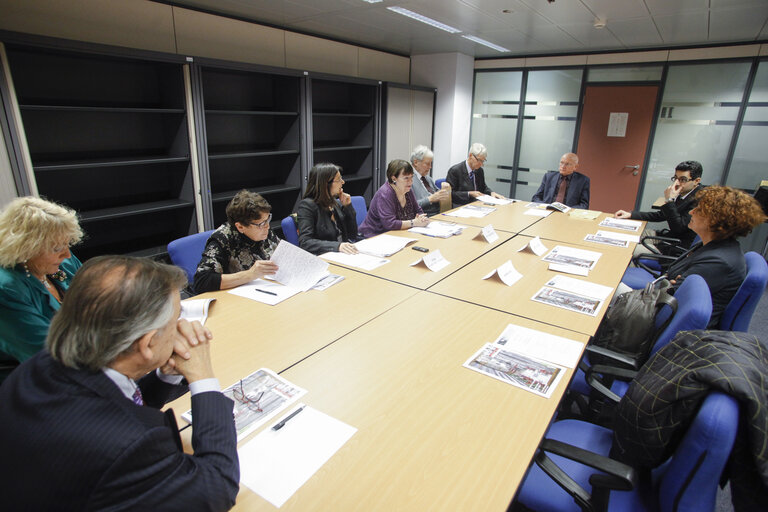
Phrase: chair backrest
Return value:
(290, 232)
(690, 479)
(694, 307)
(738, 313)
(185, 252)
(439, 182)
(358, 202)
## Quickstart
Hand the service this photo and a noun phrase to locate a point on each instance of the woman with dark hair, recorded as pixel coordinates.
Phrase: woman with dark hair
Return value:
(721, 215)
(394, 206)
(239, 250)
(326, 219)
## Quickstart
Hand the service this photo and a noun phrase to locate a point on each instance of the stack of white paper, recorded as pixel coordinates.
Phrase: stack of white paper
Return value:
(383, 245)
(439, 229)
(195, 309)
(298, 268)
(359, 260)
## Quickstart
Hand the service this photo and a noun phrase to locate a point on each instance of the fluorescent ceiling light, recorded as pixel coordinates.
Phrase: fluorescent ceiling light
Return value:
(486, 43)
(429, 21)
(373, 1)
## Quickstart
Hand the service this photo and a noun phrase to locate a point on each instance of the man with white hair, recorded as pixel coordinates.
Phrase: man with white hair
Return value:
(427, 194)
(467, 178)
(82, 427)
(564, 185)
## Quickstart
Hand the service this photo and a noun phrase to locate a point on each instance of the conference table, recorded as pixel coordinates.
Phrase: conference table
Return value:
(382, 351)
(510, 218)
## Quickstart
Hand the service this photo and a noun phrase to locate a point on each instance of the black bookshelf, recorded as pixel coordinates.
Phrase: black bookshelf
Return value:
(344, 131)
(108, 137)
(253, 137)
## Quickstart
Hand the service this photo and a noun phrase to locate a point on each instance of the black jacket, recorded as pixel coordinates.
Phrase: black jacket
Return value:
(667, 392)
(458, 178)
(317, 232)
(677, 215)
(576, 196)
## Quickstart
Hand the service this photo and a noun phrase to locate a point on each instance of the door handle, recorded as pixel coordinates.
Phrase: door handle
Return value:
(635, 167)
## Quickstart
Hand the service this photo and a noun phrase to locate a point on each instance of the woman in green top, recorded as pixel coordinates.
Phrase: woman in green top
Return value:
(36, 268)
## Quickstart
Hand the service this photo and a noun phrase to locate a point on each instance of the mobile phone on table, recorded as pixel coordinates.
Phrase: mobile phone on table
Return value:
(420, 249)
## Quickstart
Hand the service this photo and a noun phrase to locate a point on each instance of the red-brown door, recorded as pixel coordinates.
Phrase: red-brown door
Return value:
(610, 160)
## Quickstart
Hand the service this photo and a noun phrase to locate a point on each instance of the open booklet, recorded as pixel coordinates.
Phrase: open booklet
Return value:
(257, 397)
(195, 309)
(560, 207)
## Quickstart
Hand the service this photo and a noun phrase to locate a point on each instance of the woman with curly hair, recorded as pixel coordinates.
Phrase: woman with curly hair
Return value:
(721, 215)
(36, 268)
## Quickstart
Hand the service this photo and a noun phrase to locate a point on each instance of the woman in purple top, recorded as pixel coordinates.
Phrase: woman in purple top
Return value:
(394, 206)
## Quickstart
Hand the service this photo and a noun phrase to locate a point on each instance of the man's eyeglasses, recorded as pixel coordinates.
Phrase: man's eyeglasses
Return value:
(252, 403)
(481, 160)
(264, 223)
(681, 179)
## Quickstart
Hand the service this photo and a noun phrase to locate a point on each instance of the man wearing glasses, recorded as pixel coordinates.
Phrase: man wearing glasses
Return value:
(680, 199)
(564, 185)
(467, 178)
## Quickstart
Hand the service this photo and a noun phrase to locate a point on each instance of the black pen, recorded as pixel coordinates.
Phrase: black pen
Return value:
(265, 291)
(280, 425)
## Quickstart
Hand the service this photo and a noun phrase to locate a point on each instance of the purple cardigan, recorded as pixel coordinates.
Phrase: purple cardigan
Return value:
(385, 213)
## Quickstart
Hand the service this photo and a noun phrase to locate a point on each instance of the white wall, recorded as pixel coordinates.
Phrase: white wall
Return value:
(452, 74)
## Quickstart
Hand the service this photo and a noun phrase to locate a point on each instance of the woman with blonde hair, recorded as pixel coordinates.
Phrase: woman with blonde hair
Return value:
(36, 268)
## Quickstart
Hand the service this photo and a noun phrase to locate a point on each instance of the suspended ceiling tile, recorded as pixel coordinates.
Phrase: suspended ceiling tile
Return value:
(737, 24)
(638, 32)
(689, 29)
(617, 9)
(564, 11)
(675, 7)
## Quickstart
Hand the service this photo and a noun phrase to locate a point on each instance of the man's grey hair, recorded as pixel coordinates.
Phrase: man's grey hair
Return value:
(478, 149)
(112, 302)
(421, 152)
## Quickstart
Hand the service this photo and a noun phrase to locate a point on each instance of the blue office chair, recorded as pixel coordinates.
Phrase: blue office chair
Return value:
(650, 266)
(694, 308)
(439, 182)
(358, 202)
(185, 252)
(688, 481)
(290, 231)
(738, 314)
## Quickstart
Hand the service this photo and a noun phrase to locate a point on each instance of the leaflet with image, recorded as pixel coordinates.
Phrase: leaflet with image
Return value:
(619, 236)
(571, 256)
(439, 229)
(536, 376)
(258, 397)
(606, 240)
(540, 345)
(573, 294)
(625, 224)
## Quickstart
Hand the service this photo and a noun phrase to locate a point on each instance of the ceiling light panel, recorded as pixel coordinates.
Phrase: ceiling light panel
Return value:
(424, 19)
(486, 43)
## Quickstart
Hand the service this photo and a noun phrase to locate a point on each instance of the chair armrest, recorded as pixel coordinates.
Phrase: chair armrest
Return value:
(619, 476)
(622, 360)
(595, 373)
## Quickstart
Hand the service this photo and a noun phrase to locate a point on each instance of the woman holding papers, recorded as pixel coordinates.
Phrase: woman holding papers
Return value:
(394, 206)
(36, 268)
(239, 250)
(325, 224)
(722, 214)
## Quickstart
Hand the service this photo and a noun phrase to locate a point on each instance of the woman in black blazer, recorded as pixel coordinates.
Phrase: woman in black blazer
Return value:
(326, 224)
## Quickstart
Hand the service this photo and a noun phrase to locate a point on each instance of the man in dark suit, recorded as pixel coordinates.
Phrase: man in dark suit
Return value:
(680, 198)
(467, 178)
(564, 186)
(81, 427)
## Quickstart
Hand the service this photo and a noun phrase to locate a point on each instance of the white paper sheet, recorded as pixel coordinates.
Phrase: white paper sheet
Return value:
(594, 290)
(569, 269)
(472, 210)
(383, 245)
(298, 268)
(439, 229)
(493, 200)
(507, 273)
(615, 242)
(535, 212)
(264, 291)
(195, 309)
(434, 261)
(359, 260)
(276, 463)
(541, 345)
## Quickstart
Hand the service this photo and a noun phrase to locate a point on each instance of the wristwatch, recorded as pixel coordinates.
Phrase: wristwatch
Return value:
(671, 199)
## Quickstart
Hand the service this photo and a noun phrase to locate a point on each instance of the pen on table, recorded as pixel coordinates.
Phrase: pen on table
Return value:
(280, 425)
(265, 291)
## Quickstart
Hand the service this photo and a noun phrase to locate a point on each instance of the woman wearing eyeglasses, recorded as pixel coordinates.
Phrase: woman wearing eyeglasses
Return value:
(394, 206)
(326, 219)
(36, 268)
(239, 250)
